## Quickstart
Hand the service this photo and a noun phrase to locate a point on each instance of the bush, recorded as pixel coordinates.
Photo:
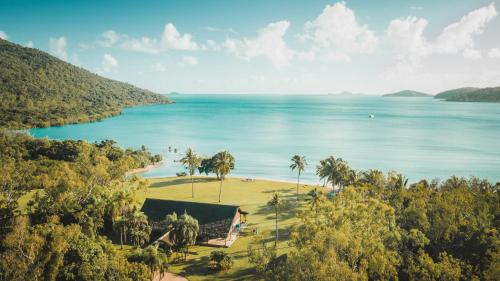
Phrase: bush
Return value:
(219, 260)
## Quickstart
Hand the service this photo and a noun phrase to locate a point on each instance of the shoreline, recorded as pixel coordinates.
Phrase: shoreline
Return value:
(151, 167)
(249, 179)
(144, 170)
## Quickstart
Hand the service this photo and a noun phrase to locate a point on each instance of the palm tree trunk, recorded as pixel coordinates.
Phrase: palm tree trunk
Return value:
(298, 180)
(192, 187)
(220, 188)
(276, 241)
(121, 238)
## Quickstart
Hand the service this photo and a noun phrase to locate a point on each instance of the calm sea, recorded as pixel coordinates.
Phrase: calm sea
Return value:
(420, 137)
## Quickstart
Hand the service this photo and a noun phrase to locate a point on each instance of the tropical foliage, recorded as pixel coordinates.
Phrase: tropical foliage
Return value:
(191, 161)
(298, 163)
(223, 164)
(220, 260)
(182, 232)
(81, 200)
(379, 228)
(276, 203)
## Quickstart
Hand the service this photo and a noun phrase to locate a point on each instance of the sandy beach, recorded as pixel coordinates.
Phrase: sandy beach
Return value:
(145, 169)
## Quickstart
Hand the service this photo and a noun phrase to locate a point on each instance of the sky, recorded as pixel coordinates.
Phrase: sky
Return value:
(268, 46)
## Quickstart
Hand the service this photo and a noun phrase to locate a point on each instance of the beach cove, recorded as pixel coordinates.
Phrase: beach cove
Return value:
(420, 137)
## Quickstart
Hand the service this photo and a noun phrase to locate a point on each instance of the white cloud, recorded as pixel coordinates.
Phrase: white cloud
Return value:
(494, 53)
(3, 35)
(159, 67)
(471, 54)
(172, 39)
(29, 44)
(109, 38)
(407, 36)
(337, 29)
(143, 45)
(57, 47)
(269, 43)
(459, 36)
(109, 63)
(212, 45)
(189, 60)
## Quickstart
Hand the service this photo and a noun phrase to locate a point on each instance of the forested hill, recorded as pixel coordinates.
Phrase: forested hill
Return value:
(39, 90)
(451, 93)
(407, 94)
(479, 95)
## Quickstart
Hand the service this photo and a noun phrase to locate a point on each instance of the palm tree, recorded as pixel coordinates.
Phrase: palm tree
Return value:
(123, 203)
(191, 161)
(156, 260)
(298, 163)
(337, 172)
(182, 230)
(139, 227)
(402, 181)
(223, 164)
(321, 171)
(314, 198)
(277, 203)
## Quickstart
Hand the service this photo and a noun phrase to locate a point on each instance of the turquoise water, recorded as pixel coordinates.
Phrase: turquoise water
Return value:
(420, 137)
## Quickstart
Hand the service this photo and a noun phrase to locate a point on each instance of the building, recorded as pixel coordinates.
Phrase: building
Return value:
(219, 224)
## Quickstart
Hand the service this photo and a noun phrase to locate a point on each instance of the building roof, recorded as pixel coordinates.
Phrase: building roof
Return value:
(157, 209)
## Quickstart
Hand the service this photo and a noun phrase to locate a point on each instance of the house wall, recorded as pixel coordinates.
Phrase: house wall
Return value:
(236, 220)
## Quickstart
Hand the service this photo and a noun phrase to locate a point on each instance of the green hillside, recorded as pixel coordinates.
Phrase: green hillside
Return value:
(407, 94)
(454, 92)
(39, 90)
(480, 95)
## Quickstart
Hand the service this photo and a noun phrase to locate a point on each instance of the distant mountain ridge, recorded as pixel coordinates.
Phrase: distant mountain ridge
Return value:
(407, 94)
(39, 90)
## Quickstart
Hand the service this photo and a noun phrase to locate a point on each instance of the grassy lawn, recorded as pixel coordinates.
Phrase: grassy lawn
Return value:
(252, 196)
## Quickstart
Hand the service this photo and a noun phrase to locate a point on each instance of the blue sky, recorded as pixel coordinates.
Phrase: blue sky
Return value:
(268, 46)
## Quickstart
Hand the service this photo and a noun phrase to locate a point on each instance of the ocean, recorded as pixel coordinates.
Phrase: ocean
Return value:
(423, 138)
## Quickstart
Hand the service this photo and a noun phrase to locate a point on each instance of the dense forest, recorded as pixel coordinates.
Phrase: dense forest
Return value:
(79, 201)
(479, 95)
(455, 92)
(378, 228)
(39, 90)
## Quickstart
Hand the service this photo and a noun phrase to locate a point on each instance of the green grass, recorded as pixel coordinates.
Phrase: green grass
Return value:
(252, 196)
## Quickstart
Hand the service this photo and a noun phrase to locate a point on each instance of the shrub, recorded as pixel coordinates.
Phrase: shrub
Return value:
(219, 260)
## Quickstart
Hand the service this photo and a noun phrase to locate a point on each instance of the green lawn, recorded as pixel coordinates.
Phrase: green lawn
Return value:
(252, 196)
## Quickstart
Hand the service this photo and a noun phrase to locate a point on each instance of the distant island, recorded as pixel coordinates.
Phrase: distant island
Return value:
(346, 93)
(39, 90)
(470, 94)
(407, 94)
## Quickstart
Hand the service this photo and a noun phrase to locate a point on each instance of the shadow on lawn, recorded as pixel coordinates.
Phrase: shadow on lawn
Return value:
(283, 190)
(289, 210)
(182, 180)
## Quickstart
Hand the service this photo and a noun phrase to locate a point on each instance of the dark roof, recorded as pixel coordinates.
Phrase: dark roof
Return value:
(157, 209)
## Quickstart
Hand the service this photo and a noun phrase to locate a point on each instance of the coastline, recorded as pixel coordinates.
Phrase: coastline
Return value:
(144, 170)
(249, 179)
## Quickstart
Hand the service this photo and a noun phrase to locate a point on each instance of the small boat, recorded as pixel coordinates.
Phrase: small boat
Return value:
(371, 116)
